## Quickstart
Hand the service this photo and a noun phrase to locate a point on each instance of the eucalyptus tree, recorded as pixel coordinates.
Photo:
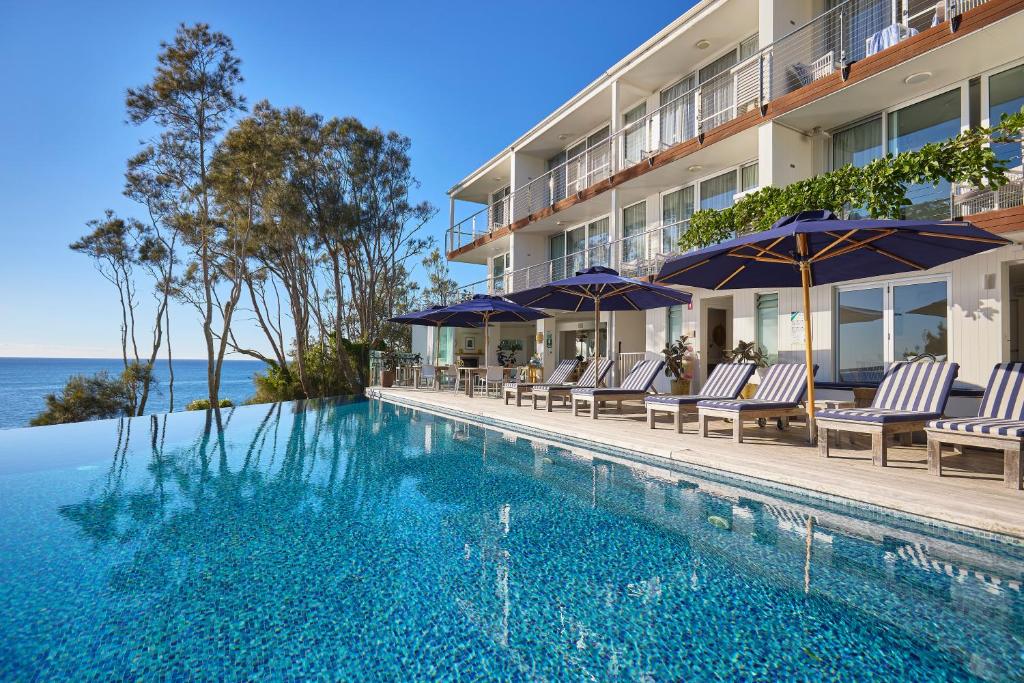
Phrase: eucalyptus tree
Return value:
(192, 97)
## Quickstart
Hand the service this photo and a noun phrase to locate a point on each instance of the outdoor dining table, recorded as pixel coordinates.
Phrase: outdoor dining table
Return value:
(468, 373)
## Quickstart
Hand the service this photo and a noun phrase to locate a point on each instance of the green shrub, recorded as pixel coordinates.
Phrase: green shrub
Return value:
(86, 397)
(204, 404)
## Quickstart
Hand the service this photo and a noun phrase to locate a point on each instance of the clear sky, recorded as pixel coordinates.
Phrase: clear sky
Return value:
(462, 79)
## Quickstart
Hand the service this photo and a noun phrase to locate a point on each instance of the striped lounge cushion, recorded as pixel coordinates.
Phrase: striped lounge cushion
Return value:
(670, 400)
(589, 378)
(727, 380)
(640, 379)
(879, 415)
(981, 425)
(916, 387)
(746, 404)
(562, 371)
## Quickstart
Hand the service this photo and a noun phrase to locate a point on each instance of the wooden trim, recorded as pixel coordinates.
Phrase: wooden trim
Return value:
(915, 46)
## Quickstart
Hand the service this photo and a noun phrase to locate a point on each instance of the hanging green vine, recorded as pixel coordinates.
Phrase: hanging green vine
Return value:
(878, 188)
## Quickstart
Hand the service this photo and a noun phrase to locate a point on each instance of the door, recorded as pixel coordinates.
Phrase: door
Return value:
(716, 337)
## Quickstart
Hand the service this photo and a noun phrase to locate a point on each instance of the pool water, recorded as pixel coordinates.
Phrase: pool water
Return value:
(357, 540)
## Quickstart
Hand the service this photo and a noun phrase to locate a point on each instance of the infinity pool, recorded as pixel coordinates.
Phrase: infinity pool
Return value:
(363, 541)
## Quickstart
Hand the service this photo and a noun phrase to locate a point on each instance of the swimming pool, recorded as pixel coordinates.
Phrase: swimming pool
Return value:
(361, 540)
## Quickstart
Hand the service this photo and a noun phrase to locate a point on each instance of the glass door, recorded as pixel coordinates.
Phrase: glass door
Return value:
(635, 139)
(576, 168)
(676, 209)
(575, 256)
(597, 243)
(860, 335)
(634, 223)
(919, 325)
(677, 113)
(598, 167)
(556, 247)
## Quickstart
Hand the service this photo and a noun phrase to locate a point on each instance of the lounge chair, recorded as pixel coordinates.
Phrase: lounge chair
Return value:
(726, 382)
(634, 388)
(520, 389)
(909, 395)
(779, 395)
(593, 376)
(999, 425)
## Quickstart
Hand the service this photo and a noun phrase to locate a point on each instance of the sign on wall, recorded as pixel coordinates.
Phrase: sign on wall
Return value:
(796, 329)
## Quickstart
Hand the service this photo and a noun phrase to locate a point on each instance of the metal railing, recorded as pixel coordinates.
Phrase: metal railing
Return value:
(966, 200)
(834, 39)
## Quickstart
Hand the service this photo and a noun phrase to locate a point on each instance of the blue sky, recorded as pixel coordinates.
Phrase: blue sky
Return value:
(462, 79)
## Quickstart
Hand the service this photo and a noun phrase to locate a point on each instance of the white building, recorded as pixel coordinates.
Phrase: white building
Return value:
(736, 95)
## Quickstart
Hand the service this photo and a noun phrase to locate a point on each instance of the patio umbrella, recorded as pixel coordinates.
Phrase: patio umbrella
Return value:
(816, 248)
(482, 310)
(418, 318)
(598, 288)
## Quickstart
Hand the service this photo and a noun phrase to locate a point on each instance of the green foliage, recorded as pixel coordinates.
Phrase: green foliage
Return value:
(86, 397)
(677, 355)
(324, 376)
(204, 404)
(879, 188)
(507, 349)
(747, 352)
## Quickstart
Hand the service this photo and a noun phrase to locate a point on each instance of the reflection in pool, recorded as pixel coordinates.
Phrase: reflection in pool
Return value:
(361, 540)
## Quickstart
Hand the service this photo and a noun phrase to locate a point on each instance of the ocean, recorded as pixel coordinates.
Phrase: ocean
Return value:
(25, 382)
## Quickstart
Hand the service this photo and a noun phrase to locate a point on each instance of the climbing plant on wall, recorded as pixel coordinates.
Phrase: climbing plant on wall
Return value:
(879, 188)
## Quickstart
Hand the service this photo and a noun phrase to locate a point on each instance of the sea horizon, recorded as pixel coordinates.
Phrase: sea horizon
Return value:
(25, 381)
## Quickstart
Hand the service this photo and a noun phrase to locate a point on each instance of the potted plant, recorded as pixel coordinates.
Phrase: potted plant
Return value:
(388, 363)
(748, 352)
(677, 364)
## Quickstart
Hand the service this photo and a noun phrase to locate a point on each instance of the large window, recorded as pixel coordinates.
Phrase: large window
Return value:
(676, 208)
(499, 266)
(718, 192)
(677, 119)
(673, 324)
(910, 128)
(636, 133)
(858, 145)
(1006, 96)
(634, 223)
(768, 325)
(886, 322)
(578, 248)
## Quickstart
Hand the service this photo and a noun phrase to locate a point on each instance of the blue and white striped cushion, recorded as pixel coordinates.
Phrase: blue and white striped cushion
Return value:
(562, 372)
(746, 404)
(590, 376)
(783, 383)
(670, 400)
(727, 380)
(981, 425)
(916, 387)
(642, 376)
(1004, 395)
(879, 415)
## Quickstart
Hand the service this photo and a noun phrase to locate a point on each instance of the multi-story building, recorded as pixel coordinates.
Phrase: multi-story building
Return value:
(733, 96)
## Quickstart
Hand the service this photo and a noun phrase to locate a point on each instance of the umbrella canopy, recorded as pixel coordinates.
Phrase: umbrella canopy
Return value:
(600, 288)
(815, 248)
(480, 311)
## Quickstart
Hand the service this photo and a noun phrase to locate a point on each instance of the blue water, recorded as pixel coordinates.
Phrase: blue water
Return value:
(25, 382)
(361, 541)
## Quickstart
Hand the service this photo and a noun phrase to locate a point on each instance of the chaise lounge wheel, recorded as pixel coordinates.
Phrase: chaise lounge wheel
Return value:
(781, 424)
(761, 422)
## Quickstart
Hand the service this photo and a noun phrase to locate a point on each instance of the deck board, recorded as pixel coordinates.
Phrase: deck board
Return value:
(970, 493)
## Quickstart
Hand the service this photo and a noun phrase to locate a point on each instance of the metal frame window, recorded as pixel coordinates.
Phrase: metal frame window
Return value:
(767, 323)
(899, 318)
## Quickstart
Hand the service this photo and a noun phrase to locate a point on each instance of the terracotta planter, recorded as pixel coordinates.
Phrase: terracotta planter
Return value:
(680, 386)
(387, 378)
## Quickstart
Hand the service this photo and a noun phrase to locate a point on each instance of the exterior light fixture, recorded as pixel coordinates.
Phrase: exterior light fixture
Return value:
(921, 77)
(694, 168)
(702, 44)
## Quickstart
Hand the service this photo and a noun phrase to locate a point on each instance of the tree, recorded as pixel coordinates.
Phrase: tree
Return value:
(441, 289)
(192, 98)
(89, 398)
(116, 246)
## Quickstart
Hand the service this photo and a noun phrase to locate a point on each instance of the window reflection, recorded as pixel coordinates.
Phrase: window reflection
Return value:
(919, 320)
(861, 335)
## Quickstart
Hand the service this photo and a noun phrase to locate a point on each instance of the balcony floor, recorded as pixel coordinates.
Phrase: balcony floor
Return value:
(970, 492)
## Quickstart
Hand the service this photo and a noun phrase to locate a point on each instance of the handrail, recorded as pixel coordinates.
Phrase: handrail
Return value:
(829, 42)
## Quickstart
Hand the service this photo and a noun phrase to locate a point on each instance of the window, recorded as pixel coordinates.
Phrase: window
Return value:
(887, 322)
(768, 325)
(597, 156)
(718, 192)
(634, 223)
(636, 135)
(673, 324)
(575, 168)
(677, 119)
(445, 345)
(676, 208)
(857, 145)
(578, 248)
(500, 207)
(499, 266)
(910, 128)
(597, 243)
(748, 177)
(1006, 96)
(556, 252)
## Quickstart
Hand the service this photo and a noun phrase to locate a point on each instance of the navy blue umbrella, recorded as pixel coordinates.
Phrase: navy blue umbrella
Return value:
(815, 248)
(480, 311)
(600, 288)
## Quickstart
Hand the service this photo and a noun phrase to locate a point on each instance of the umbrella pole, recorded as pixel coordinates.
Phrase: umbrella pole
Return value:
(597, 332)
(805, 281)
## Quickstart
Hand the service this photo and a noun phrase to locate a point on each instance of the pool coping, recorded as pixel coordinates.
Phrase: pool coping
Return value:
(795, 493)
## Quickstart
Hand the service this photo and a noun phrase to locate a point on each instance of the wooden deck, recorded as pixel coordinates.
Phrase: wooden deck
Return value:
(970, 494)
